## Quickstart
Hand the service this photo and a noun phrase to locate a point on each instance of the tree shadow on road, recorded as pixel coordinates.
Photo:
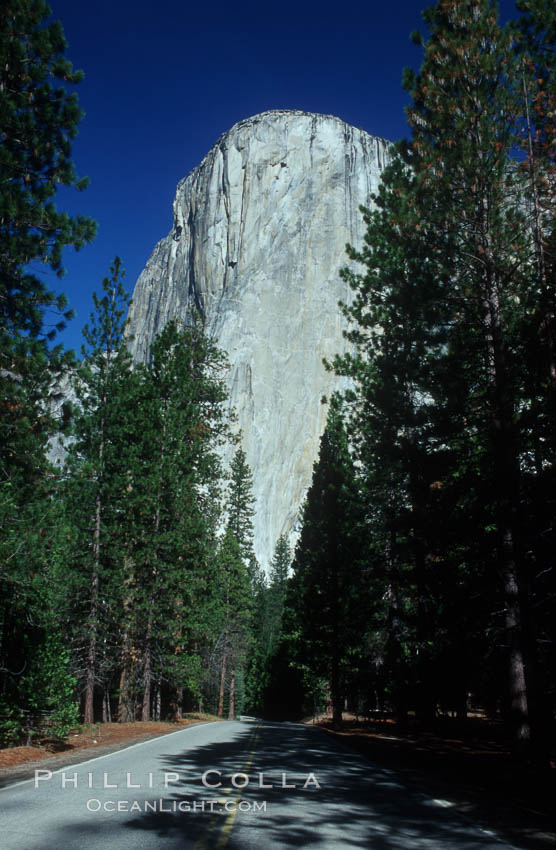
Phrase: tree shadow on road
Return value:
(354, 805)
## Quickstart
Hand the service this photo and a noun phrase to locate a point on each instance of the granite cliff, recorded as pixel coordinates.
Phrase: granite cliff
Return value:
(258, 238)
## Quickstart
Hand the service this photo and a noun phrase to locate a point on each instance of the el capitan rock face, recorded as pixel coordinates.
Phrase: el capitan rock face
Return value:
(258, 239)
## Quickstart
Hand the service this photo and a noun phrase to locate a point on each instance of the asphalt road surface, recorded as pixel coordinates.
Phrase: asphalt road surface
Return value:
(231, 785)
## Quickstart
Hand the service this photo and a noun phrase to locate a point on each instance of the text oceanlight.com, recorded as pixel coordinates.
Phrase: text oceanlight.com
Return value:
(174, 806)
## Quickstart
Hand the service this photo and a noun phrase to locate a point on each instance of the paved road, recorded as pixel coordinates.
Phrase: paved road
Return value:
(302, 789)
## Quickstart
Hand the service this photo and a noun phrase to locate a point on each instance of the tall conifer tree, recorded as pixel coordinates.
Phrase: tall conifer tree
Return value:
(442, 316)
(174, 499)
(240, 505)
(99, 471)
(326, 589)
(39, 120)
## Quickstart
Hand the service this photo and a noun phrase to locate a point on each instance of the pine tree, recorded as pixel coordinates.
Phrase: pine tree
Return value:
(535, 32)
(278, 581)
(240, 505)
(326, 591)
(464, 131)
(27, 487)
(34, 553)
(39, 120)
(238, 581)
(235, 595)
(397, 432)
(99, 476)
(441, 328)
(266, 625)
(174, 504)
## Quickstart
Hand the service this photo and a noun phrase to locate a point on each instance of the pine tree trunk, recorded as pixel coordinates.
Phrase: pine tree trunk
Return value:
(176, 704)
(335, 682)
(462, 707)
(125, 709)
(232, 706)
(425, 697)
(106, 711)
(222, 687)
(147, 671)
(336, 694)
(399, 696)
(158, 701)
(146, 706)
(514, 631)
(426, 702)
(88, 713)
(506, 487)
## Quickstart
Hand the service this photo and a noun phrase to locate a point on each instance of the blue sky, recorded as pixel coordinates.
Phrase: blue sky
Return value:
(164, 79)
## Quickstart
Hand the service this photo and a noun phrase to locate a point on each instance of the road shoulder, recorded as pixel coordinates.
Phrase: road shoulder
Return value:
(133, 734)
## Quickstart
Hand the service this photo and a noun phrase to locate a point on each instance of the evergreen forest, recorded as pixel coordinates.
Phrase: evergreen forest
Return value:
(423, 578)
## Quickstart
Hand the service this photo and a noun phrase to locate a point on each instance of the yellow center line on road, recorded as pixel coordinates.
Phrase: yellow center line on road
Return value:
(216, 820)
